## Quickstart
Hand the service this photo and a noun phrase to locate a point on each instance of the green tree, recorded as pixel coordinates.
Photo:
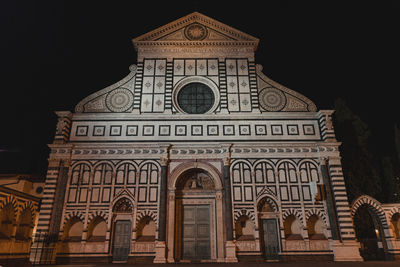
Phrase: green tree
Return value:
(360, 175)
(389, 184)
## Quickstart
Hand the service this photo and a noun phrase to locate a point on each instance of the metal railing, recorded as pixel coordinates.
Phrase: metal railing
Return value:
(42, 250)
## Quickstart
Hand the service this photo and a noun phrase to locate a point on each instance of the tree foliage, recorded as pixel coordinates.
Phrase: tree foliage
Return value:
(359, 171)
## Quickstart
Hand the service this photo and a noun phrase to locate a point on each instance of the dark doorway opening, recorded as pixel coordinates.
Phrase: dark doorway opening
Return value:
(369, 233)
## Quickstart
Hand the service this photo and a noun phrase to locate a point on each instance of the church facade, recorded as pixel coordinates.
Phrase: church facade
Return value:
(196, 155)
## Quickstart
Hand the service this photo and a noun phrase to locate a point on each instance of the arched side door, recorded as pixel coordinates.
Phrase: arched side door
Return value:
(122, 233)
(122, 240)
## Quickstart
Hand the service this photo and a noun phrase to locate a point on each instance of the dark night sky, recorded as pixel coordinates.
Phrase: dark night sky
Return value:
(55, 53)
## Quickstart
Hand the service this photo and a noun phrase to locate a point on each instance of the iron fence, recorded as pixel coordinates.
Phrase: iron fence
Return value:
(42, 249)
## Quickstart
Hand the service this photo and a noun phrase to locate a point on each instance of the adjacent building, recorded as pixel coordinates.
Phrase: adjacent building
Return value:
(20, 196)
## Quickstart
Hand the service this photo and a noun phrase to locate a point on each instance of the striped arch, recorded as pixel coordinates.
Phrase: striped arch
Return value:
(143, 213)
(373, 205)
(73, 214)
(29, 205)
(10, 200)
(392, 212)
(294, 212)
(97, 213)
(244, 212)
(124, 193)
(266, 192)
(321, 214)
(266, 195)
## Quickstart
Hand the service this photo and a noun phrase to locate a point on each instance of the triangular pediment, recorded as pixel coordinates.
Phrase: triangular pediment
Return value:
(196, 29)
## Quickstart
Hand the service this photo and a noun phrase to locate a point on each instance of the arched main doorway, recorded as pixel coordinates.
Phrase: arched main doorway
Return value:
(195, 208)
(195, 220)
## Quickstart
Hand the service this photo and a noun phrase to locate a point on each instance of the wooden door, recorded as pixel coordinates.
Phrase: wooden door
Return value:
(271, 241)
(196, 232)
(122, 240)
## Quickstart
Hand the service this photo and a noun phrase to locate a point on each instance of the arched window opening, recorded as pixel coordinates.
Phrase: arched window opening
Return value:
(125, 174)
(244, 229)
(264, 173)
(148, 174)
(73, 230)
(25, 225)
(395, 221)
(241, 173)
(315, 228)
(308, 172)
(80, 174)
(103, 174)
(97, 230)
(146, 230)
(7, 217)
(287, 173)
(292, 228)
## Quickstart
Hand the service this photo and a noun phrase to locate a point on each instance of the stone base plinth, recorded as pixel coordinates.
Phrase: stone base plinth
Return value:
(160, 252)
(230, 252)
(346, 251)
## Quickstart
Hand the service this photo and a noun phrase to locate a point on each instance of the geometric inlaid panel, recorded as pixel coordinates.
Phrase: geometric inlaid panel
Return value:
(196, 130)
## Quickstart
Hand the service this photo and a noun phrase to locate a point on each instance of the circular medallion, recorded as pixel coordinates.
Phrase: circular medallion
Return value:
(195, 32)
(119, 100)
(272, 99)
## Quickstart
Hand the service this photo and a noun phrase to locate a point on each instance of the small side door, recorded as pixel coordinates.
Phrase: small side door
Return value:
(271, 241)
(122, 240)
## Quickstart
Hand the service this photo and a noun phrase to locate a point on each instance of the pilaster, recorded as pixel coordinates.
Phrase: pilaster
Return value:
(230, 246)
(344, 245)
(162, 218)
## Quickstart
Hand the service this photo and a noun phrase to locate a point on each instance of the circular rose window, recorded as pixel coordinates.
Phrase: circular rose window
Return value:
(195, 98)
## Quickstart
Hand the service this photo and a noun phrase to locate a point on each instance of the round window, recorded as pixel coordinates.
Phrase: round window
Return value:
(195, 98)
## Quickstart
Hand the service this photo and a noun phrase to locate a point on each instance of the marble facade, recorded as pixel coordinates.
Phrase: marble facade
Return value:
(261, 155)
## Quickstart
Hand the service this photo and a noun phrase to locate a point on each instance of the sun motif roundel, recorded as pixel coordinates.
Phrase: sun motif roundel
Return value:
(195, 32)
(272, 99)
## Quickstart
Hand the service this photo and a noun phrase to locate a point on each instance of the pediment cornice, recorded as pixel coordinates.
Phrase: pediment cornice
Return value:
(195, 30)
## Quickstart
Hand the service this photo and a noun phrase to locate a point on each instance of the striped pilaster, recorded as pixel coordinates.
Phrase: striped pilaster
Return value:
(326, 126)
(59, 197)
(48, 198)
(222, 85)
(253, 86)
(138, 87)
(341, 202)
(169, 85)
(63, 127)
